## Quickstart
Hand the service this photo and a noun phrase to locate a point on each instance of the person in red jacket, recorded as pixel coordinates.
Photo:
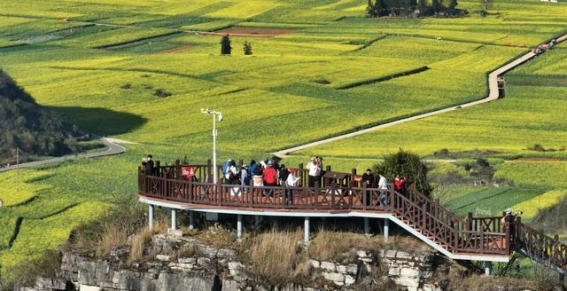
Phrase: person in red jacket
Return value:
(270, 176)
(400, 184)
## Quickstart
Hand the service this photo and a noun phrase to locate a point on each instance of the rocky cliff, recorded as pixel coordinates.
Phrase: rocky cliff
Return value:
(176, 263)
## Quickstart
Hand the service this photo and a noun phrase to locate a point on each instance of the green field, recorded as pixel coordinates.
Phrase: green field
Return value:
(328, 70)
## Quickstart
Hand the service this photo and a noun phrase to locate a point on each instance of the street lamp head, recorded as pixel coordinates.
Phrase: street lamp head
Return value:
(205, 110)
(220, 116)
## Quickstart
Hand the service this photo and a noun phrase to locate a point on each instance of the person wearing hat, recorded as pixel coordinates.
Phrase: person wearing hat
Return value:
(507, 221)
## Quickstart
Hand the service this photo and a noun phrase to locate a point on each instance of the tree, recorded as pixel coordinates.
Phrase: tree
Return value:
(226, 49)
(377, 8)
(484, 6)
(247, 48)
(407, 165)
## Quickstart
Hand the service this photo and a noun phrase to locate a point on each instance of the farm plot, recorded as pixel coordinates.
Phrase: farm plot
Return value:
(37, 235)
(38, 30)
(420, 50)
(20, 186)
(549, 173)
(118, 35)
(494, 200)
(493, 57)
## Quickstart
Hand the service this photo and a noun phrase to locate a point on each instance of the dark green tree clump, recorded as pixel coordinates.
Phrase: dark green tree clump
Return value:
(406, 165)
(247, 48)
(414, 8)
(34, 130)
(226, 49)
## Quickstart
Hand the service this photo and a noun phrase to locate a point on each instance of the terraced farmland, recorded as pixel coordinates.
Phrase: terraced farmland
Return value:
(104, 66)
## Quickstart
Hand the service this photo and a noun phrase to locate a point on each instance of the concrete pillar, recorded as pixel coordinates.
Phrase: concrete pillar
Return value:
(386, 229)
(239, 227)
(173, 219)
(306, 229)
(366, 226)
(191, 219)
(487, 268)
(151, 216)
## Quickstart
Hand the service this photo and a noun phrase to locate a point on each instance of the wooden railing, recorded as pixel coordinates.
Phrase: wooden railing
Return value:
(427, 216)
(539, 247)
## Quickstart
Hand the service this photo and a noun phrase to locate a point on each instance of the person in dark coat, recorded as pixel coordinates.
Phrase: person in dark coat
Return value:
(367, 182)
(149, 165)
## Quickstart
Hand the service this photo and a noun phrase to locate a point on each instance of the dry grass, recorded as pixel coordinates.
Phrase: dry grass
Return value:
(112, 237)
(409, 244)
(483, 283)
(218, 236)
(277, 258)
(341, 246)
(140, 241)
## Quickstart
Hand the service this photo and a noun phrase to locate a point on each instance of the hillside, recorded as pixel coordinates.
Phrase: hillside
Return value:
(35, 130)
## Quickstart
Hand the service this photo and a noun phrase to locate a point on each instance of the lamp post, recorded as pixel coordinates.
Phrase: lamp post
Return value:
(214, 113)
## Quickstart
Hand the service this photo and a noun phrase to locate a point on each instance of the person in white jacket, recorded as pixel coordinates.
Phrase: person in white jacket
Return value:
(290, 183)
(383, 186)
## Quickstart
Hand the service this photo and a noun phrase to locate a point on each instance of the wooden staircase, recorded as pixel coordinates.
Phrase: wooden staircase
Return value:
(515, 239)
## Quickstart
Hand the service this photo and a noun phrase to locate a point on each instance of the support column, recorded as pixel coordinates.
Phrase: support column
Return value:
(306, 225)
(191, 219)
(386, 229)
(239, 227)
(151, 216)
(366, 226)
(487, 268)
(173, 219)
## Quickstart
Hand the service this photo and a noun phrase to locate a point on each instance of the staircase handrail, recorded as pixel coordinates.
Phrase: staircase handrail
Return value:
(540, 247)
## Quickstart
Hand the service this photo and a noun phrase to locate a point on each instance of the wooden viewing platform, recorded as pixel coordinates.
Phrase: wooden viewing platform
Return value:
(340, 195)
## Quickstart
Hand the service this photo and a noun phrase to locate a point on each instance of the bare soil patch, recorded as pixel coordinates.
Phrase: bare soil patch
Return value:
(255, 31)
(175, 49)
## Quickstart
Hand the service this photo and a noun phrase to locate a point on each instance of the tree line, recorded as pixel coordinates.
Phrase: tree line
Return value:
(29, 129)
(415, 8)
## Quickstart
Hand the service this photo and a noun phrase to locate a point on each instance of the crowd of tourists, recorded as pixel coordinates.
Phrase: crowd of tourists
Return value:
(269, 172)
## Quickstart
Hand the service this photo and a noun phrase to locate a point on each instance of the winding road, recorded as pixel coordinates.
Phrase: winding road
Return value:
(113, 145)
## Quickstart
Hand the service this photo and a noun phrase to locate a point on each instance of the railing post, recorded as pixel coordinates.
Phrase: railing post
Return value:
(300, 174)
(177, 169)
(469, 221)
(424, 216)
(364, 196)
(209, 169)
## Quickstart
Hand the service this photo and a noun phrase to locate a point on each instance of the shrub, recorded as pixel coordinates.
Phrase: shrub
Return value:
(407, 165)
(225, 45)
(162, 93)
(247, 48)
